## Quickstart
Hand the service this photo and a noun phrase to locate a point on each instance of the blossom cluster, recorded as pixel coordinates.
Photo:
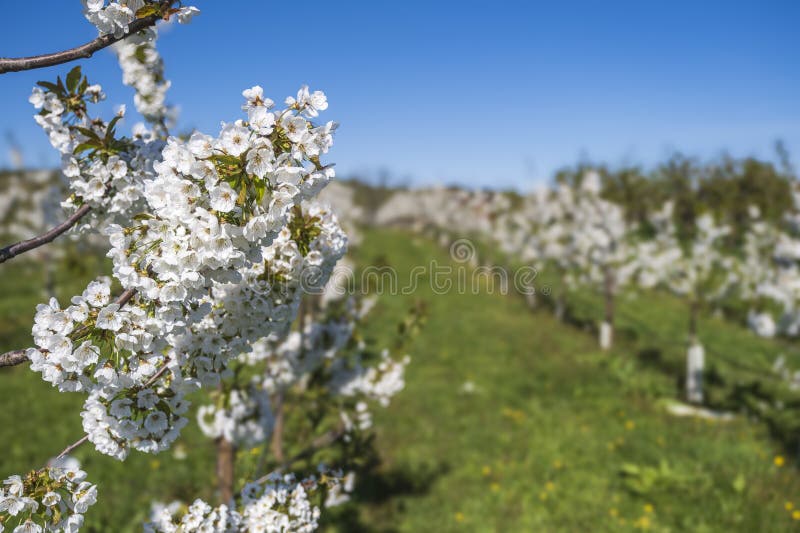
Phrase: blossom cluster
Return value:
(324, 353)
(104, 171)
(143, 69)
(243, 417)
(115, 17)
(218, 257)
(280, 503)
(51, 499)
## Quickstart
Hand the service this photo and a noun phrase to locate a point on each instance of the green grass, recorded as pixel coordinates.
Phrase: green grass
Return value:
(542, 444)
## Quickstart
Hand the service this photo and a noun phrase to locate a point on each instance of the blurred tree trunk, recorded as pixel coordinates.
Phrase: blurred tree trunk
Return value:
(226, 457)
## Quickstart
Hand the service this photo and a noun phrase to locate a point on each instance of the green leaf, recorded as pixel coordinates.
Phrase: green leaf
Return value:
(110, 128)
(89, 133)
(148, 11)
(85, 146)
(73, 79)
(48, 85)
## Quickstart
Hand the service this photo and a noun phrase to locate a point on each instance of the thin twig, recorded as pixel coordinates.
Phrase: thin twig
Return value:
(326, 439)
(16, 64)
(156, 376)
(13, 250)
(72, 446)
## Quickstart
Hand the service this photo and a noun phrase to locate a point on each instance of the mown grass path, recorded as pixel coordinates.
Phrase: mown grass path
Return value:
(554, 435)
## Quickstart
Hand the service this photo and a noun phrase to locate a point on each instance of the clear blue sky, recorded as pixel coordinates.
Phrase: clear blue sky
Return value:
(480, 93)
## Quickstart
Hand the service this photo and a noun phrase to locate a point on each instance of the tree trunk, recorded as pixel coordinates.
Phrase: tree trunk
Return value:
(607, 327)
(693, 310)
(695, 359)
(277, 430)
(226, 456)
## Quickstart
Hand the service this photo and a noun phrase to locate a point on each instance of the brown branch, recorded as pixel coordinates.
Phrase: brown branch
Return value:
(17, 357)
(13, 250)
(16, 64)
(72, 446)
(125, 297)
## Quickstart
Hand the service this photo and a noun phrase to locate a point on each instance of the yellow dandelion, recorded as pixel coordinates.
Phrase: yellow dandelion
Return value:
(648, 508)
(779, 460)
(486, 470)
(613, 512)
(494, 487)
(550, 486)
(155, 464)
(557, 464)
(796, 515)
(642, 523)
(630, 424)
(459, 517)
(788, 506)
(543, 496)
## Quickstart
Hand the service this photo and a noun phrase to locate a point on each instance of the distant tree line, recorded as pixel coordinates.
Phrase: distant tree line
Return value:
(727, 187)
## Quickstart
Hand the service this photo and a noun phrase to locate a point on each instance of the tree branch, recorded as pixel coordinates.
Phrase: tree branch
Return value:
(16, 64)
(13, 250)
(72, 446)
(17, 357)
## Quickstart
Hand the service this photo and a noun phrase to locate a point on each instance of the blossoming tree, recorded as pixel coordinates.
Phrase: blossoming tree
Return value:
(697, 270)
(213, 240)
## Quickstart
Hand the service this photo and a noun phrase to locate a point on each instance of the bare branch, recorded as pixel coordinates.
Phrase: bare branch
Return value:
(17, 357)
(16, 64)
(13, 250)
(157, 375)
(72, 446)
(125, 297)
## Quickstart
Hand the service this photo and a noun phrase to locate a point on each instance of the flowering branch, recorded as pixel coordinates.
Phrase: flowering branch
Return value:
(16, 64)
(17, 357)
(85, 438)
(13, 250)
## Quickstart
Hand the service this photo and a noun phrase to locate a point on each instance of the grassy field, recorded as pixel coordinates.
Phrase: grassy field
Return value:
(510, 421)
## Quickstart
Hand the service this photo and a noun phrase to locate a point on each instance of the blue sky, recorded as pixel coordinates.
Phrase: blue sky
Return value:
(479, 93)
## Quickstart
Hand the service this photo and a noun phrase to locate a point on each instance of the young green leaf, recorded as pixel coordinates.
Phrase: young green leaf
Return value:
(73, 79)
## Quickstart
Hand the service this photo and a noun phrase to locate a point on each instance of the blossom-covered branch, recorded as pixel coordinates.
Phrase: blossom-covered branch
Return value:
(16, 64)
